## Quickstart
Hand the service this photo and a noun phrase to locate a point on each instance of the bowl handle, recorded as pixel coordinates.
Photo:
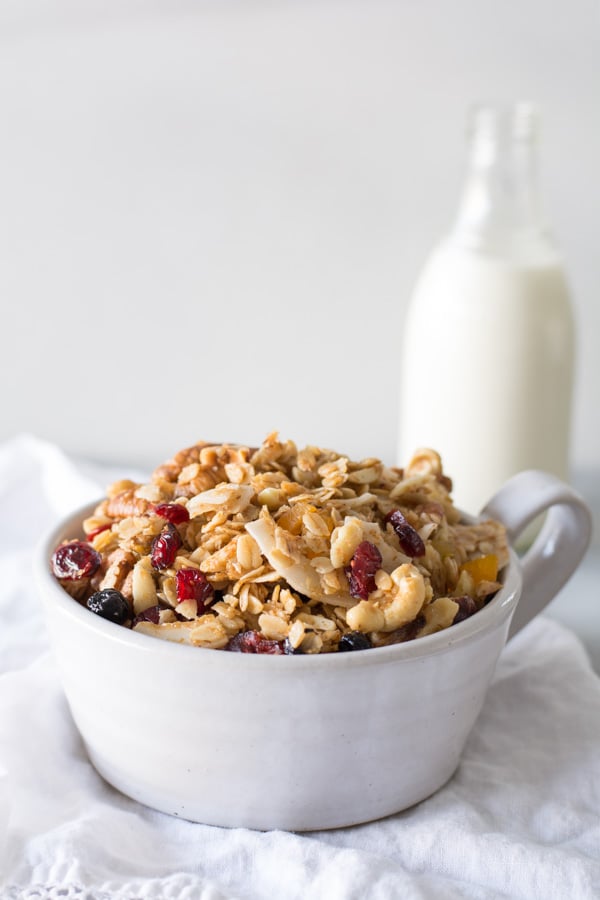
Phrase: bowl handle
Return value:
(560, 545)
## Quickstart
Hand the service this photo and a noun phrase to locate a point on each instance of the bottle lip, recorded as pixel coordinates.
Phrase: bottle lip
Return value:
(509, 122)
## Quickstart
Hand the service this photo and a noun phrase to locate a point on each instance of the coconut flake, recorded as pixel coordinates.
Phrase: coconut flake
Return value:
(298, 572)
(235, 497)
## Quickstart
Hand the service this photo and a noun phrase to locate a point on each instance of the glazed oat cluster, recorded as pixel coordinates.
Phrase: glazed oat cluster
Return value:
(278, 550)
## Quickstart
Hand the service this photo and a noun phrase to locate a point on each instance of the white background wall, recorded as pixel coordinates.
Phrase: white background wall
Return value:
(212, 213)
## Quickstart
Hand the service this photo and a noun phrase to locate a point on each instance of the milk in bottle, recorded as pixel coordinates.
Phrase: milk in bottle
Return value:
(487, 345)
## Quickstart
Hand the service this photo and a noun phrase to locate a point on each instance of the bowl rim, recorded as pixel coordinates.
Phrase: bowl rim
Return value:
(491, 616)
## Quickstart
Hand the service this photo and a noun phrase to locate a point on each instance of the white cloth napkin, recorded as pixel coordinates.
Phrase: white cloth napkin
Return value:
(521, 817)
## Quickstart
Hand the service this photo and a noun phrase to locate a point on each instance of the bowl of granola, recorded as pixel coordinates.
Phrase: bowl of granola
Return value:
(277, 637)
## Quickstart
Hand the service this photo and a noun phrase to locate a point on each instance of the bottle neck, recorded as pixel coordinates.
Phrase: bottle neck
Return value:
(500, 212)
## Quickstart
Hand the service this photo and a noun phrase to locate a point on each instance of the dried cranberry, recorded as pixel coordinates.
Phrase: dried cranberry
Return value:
(172, 512)
(152, 614)
(165, 547)
(192, 584)
(110, 604)
(354, 640)
(466, 608)
(92, 534)
(75, 560)
(361, 571)
(410, 539)
(254, 642)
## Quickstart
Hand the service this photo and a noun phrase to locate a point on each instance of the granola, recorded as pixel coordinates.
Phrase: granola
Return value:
(280, 550)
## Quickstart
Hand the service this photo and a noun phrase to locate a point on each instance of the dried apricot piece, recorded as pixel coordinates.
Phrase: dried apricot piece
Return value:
(483, 568)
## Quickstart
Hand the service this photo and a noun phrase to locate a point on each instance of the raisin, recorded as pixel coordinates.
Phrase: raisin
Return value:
(152, 614)
(254, 642)
(406, 632)
(466, 608)
(410, 540)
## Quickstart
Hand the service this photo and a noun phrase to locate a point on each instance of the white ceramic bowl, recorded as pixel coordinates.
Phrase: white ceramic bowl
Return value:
(300, 742)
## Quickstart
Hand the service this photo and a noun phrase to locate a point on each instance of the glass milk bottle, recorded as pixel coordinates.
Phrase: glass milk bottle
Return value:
(487, 346)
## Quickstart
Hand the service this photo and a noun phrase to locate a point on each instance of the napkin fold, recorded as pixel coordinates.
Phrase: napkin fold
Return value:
(519, 819)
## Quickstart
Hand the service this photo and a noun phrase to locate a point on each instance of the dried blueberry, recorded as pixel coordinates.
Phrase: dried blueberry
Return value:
(110, 604)
(289, 650)
(354, 640)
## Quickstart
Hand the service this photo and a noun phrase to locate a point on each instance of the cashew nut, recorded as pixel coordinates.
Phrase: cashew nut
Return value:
(344, 541)
(400, 606)
(439, 615)
(346, 538)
